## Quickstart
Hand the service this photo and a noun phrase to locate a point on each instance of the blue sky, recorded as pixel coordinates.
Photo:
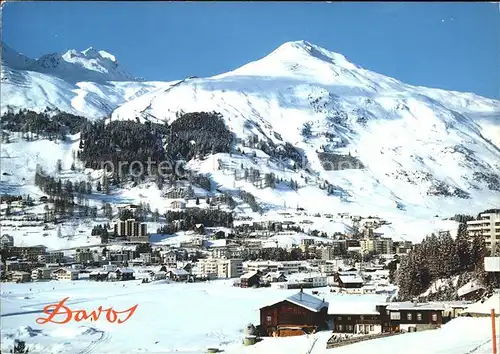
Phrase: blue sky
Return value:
(453, 46)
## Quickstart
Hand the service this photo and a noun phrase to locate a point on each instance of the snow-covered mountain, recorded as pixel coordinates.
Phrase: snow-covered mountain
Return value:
(369, 144)
(89, 83)
(420, 147)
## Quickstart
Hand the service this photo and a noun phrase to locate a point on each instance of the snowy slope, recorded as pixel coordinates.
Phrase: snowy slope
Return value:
(413, 141)
(88, 83)
(426, 152)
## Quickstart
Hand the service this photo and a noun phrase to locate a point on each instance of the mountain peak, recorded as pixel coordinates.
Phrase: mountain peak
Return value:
(72, 65)
(303, 48)
(297, 59)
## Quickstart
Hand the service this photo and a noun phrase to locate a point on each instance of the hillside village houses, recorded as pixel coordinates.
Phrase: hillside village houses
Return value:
(212, 254)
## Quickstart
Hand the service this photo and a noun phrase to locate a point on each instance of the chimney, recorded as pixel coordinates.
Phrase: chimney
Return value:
(301, 291)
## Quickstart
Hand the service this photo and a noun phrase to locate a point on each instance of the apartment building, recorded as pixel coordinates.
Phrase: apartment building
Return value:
(87, 256)
(132, 230)
(229, 268)
(382, 245)
(212, 268)
(51, 257)
(487, 225)
(331, 251)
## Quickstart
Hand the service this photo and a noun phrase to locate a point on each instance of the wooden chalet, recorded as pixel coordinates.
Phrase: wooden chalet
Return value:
(410, 316)
(357, 317)
(296, 315)
(178, 275)
(368, 318)
(275, 277)
(250, 279)
(123, 274)
(349, 280)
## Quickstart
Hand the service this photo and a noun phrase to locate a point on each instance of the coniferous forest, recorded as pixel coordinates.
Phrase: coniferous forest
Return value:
(191, 135)
(36, 125)
(441, 257)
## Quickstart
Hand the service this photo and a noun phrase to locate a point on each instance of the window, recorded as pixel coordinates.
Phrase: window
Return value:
(371, 328)
(348, 318)
(409, 316)
(419, 316)
(341, 328)
(268, 318)
(361, 317)
(434, 317)
(339, 318)
(395, 315)
(349, 328)
(387, 312)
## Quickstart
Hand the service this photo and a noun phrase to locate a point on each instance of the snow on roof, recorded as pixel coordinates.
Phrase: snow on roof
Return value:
(457, 304)
(350, 279)
(248, 275)
(274, 274)
(396, 306)
(307, 301)
(484, 308)
(125, 270)
(469, 288)
(352, 308)
(58, 270)
(179, 271)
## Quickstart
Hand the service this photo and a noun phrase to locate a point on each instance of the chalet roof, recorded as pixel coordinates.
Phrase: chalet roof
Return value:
(179, 272)
(351, 279)
(67, 270)
(469, 288)
(125, 270)
(352, 308)
(484, 307)
(274, 274)
(427, 306)
(248, 275)
(307, 301)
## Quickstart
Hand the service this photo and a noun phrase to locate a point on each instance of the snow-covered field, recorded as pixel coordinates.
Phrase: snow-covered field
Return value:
(189, 318)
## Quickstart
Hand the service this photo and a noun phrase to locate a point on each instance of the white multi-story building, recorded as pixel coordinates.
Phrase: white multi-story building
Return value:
(263, 266)
(206, 268)
(229, 268)
(212, 268)
(488, 225)
(328, 267)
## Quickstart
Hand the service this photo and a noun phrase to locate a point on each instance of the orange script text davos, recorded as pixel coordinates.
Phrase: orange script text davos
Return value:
(53, 310)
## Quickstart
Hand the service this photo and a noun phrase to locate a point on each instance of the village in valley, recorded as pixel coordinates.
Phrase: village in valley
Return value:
(345, 283)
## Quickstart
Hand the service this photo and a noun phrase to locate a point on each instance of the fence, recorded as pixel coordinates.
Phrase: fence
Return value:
(334, 344)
